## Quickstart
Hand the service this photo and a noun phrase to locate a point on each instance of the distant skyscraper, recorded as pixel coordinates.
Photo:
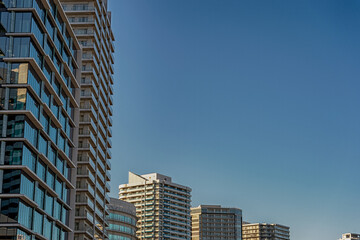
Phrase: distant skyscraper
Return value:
(265, 231)
(39, 99)
(122, 220)
(216, 222)
(350, 236)
(162, 207)
(91, 22)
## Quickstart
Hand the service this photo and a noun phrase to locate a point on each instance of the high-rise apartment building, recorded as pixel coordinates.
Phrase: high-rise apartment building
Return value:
(216, 222)
(350, 236)
(91, 23)
(162, 206)
(265, 231)
(39, 94)
(122, 220)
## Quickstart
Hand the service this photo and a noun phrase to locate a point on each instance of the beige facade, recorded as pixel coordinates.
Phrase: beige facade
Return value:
(350, 236)
(91, 23)
(265, 231)
(162, 207)
(216, 222)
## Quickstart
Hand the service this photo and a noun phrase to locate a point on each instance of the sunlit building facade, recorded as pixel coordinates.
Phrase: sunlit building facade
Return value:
(162, 206)
(216, 222)
(350, 236)
(122, 220)
(39, 100)
(265, 231)
(91, 23)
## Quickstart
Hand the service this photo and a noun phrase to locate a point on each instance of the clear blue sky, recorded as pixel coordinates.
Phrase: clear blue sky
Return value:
(253, 104)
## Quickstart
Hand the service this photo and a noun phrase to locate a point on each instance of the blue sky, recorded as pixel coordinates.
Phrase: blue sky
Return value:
(253, 104)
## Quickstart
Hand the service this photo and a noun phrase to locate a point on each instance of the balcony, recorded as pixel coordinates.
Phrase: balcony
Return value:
(108, 164)
(107, 198)
(107, 187)
(86, 174)
(82, 22)
(109, 142)
(108, 175)
(109, 153)
(109, 133)
(102, 167)
(88, 82)
(86, 160)
(78, 8)
(111, 110)
(88, 107)
(110, 121)
(87, 147)
(88, 120)
(87, 133)
(91, 96)
(91, 70)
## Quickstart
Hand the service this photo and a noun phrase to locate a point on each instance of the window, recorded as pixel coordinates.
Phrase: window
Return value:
(22, 22)
(41, 170)
(40, 197)
(17, 98)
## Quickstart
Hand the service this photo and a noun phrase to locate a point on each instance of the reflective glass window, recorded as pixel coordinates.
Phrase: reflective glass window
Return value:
(47, 228)
(25, 215)
(44, 119)
(50, 179)
(49, 204)
(58, 187)
(41, 170)
(53, 133)
(40, 196)
(21, 47)
(17, 98)
(60, 164)
(43, 145)
(15, 126)
(38, 220)
(22, 21)
(11, 181)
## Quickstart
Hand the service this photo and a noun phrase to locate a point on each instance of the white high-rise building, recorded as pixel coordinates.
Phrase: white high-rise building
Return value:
(162, 207)
(91, 23)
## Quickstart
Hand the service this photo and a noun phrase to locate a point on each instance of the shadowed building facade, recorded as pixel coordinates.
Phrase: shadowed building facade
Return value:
(265, 231)
(162, 206)
(216, 222)
(39, 94)
(91, 23)
(122, 220)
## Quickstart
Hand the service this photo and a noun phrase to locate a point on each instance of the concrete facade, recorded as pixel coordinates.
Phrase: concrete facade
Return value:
(91, 23)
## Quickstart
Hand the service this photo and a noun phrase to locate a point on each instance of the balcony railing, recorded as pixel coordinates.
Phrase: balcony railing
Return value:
(78, 7)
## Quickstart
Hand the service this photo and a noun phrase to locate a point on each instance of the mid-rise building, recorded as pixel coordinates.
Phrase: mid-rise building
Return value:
(39, 104)
(265, 231)
(216, 222)
(122, 220)
(350, 236)
(91, 23)
(162, 206)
